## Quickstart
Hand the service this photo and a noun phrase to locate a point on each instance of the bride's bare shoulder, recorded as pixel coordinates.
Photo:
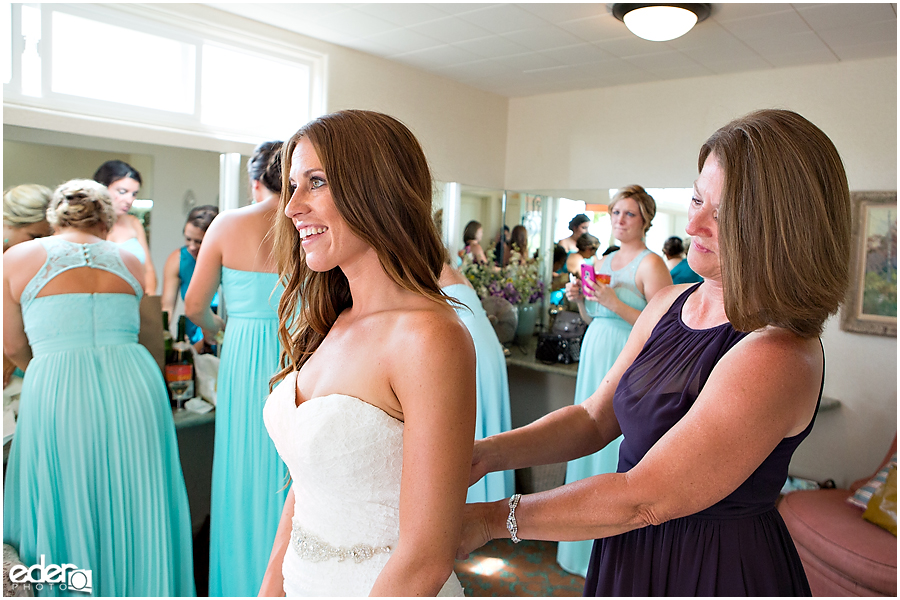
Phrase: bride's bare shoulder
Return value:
(431, 327)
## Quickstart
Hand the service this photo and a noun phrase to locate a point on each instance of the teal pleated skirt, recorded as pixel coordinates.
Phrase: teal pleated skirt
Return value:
(249, 479)
(94, 477)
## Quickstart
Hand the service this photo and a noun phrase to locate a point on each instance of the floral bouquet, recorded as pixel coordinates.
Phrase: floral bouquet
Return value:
(518, 283)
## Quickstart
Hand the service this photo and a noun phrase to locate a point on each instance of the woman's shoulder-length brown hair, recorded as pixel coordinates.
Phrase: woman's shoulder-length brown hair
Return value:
(381, 185)
(784, 222)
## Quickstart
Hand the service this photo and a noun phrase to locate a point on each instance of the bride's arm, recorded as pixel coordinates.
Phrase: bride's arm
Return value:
(432, 373)
(273, 580)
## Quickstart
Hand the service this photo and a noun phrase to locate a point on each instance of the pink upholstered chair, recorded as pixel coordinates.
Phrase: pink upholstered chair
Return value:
(843, 554)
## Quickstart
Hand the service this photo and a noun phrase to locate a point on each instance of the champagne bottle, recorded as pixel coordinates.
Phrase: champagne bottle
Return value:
(180, 370)
(182, 329)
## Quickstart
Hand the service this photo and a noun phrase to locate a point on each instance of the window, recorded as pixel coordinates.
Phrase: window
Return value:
(6, 59)
(142, 65)
(115, 64)
(223, 101)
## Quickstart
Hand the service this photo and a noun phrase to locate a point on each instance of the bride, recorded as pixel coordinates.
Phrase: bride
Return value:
(375, 412)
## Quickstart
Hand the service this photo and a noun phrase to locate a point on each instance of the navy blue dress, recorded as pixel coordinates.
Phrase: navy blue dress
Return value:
(737, 547)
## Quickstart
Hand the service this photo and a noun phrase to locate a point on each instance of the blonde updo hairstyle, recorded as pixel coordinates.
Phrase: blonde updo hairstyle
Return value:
(646, 203)
(25, 204)
(81, 204)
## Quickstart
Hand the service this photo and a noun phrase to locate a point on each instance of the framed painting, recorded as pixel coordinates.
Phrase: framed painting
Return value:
(871, 303)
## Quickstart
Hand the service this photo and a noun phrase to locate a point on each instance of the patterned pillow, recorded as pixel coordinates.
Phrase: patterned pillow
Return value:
(882, 509)
(864, 494)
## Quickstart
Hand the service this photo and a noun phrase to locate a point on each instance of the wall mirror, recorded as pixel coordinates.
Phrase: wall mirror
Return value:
(51, 165)
(545, 214)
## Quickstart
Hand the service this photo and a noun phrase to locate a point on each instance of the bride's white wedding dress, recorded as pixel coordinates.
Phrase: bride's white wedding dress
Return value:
(345, 458)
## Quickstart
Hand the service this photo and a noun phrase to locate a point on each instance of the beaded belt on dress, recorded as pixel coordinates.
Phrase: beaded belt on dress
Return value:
(309, 547)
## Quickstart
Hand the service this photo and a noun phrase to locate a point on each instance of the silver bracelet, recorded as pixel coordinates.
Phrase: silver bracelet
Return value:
(511, 524)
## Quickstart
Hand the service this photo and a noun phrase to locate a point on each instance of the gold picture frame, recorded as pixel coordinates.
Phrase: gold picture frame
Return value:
(871, 302)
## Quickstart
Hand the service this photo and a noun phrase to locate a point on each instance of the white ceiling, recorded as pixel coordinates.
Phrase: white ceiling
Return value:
(526, 49)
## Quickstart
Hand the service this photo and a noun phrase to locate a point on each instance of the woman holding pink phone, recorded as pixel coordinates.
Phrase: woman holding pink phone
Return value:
(610, 297)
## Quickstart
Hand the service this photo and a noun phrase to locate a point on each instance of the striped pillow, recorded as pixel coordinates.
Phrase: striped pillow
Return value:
(864, 494)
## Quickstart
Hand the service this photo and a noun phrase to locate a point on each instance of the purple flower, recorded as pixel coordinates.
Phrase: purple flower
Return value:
(538, 293)
(512, 294)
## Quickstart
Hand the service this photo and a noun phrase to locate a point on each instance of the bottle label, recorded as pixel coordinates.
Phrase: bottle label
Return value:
(180, 381)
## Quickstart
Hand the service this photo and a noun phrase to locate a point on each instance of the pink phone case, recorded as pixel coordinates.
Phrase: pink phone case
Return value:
(587, 274)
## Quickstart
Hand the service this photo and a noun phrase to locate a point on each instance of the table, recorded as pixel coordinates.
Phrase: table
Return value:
(196, 440)
(522, 355)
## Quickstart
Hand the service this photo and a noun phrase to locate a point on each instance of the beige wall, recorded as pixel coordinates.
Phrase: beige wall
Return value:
(650, 134)
(51, 165)
(462, 130)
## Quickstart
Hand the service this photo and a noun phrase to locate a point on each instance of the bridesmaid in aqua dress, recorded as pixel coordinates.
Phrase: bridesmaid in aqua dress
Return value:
(611, 310)
(123, 182)
(249, 479)
(24, 219)
(94, 478)
(493, 413)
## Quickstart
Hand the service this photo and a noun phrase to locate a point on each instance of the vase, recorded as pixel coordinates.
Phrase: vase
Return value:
(527, 321)
(503, 316)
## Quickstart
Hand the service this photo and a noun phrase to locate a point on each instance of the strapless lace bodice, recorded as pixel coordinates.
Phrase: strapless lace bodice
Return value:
(345, 457)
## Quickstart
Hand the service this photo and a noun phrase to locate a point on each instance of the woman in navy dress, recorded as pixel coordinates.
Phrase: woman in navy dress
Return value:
(717, 386)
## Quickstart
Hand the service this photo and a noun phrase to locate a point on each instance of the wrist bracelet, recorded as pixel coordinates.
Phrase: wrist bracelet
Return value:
(511, 524)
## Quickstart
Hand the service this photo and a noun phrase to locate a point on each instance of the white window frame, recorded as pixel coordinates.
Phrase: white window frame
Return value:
(158, 20)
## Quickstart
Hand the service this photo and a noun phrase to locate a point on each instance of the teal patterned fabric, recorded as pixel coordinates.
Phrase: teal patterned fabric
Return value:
(862, 496)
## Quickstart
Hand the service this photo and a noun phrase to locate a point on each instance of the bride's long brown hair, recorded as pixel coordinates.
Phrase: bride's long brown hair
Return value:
(381, 186)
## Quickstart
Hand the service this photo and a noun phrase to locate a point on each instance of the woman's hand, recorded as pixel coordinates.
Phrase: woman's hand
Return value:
(8, 369)
(479, 463)
(573, 292)
(475, 530)
(601, 293)
(210, 336)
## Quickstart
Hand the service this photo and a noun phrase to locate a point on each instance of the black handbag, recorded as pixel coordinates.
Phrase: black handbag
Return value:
(562, 344)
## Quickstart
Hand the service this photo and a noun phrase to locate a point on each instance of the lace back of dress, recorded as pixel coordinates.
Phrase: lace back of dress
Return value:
(63, 255)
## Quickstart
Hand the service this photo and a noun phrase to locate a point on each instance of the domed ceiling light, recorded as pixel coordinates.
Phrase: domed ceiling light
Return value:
(660, 22)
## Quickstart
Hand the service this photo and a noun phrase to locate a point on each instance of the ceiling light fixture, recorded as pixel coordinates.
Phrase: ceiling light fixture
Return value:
(660, 22)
